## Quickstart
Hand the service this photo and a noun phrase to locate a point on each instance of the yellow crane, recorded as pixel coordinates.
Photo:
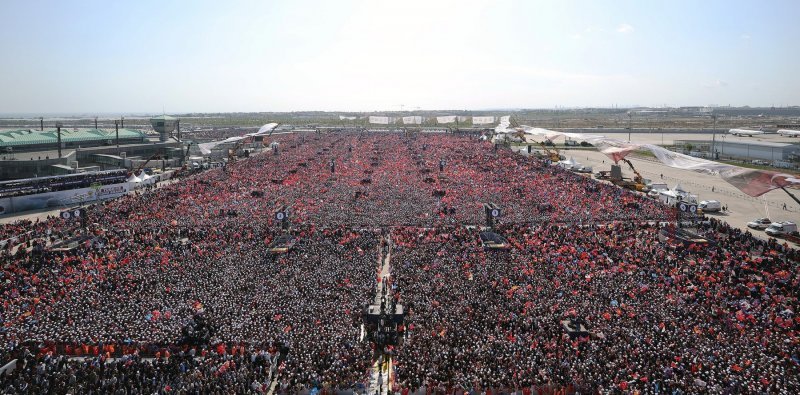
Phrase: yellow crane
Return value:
(638, 180)
(553, 156)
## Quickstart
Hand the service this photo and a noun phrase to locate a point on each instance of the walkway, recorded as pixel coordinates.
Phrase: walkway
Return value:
(380, 378)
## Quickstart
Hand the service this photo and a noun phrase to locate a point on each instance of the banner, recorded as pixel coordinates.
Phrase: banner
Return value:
(446, 119)
(379, 120)
(415, 120)
(342, 118)
(482, 120)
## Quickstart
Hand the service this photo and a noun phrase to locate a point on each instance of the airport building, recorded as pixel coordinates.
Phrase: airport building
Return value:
(30, 153)
(12, 141)
(737, 150)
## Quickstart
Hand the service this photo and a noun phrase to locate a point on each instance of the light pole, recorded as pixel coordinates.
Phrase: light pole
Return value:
(630, 116)
(714, 137)
(58, 141)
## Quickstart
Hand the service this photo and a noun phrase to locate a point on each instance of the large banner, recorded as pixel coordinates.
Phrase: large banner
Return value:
(446, 119)
(342, 118)
(482, 120)
(379, 120)
(57, 199)
(415, 120)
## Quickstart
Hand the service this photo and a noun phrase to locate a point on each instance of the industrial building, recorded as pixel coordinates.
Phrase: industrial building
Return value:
(42, 140)
(37, 153)
(737, 150)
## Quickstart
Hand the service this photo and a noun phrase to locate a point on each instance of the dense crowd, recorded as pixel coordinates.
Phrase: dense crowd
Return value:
(124, 301)
(660, 318)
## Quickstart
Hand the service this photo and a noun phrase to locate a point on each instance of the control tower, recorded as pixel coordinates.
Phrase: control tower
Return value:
(164, 125)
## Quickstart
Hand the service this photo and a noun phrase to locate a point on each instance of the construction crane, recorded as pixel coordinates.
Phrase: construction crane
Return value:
(138, 170)
(519, 131)
(186, 154)
(637, 178)
(232, 151)
(185, 164)
(553, 156)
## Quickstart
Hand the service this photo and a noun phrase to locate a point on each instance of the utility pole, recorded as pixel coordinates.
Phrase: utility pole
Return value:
(630, 116)
(58, 131)
(95, 122)
(41, 124)
(714, 138)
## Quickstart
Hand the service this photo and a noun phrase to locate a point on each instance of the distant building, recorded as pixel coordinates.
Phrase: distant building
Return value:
(34, 153)
(763, 150)
(27, 140)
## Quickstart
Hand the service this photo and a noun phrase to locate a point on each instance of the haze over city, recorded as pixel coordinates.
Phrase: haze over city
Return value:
(94, 56)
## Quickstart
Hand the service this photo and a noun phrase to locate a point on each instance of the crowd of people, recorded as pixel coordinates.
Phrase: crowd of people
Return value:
(659, 318)
(176, 288)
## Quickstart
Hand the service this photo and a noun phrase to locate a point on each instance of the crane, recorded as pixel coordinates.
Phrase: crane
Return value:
(637, 177)
(554, 156)
(138, 170)
(185, 163)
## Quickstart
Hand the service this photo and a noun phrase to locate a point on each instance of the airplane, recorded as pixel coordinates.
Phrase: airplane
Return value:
(789, 133)
(745, 132)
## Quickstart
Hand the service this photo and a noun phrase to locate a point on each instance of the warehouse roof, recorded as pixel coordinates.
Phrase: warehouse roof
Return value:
(33, 137)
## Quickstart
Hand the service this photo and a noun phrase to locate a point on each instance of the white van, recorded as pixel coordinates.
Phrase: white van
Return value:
(710, 206)
(781, 228)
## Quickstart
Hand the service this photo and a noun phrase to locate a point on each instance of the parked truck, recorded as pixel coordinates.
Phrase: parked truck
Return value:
(782, 229)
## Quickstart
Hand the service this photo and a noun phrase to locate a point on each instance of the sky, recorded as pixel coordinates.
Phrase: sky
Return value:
(296, 55)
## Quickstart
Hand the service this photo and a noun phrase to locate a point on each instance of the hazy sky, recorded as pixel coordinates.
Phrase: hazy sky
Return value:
(142, 56)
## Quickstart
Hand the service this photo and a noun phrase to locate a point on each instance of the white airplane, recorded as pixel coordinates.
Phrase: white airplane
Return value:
(789, 133)
(745, 132)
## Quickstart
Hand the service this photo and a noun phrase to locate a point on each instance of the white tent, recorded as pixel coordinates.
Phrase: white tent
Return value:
(148, 179)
